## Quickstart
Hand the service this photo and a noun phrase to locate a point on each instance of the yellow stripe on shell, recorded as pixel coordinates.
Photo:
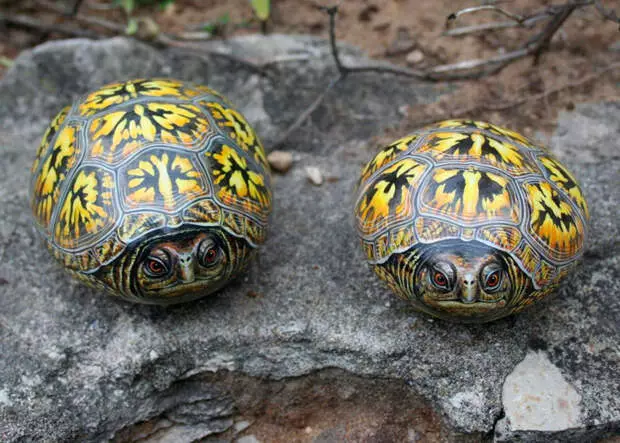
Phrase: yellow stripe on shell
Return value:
(469, 195)
(59, 160)
(553, 221)
(129, 130)
(567, 182)
(388, 198)
(87, 208)
(386, 155)
(163, 179)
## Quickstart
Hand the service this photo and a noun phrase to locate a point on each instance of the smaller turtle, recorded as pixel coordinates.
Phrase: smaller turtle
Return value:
(154, 189)
(470, 221)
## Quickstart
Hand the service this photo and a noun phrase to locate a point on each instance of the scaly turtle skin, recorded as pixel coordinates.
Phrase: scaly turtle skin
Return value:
(470, 221)
(154, 189)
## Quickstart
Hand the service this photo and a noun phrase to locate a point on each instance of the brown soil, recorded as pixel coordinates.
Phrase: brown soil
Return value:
(326, 406)
(392, 29)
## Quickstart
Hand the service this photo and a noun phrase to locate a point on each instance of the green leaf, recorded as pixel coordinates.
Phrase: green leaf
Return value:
(127, 5)
(261, 9)
(132, 26)
(163, 4)
(224, 19)
(5, 61)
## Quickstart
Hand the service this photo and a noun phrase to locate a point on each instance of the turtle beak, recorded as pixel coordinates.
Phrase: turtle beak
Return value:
(469, 289)
(186, 268)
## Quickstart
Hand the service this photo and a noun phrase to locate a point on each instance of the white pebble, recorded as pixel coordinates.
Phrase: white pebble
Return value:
(314, 175)
(415, 56)
(280, 161)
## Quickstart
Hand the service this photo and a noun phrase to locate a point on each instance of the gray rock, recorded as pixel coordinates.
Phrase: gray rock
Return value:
(537, 397)
(78, 365)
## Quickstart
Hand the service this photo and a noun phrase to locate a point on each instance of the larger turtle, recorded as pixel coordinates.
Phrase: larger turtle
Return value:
(154, 189)
(470, 221)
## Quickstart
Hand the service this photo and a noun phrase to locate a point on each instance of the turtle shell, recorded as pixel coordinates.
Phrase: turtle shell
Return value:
(144, 155)
(473, 181)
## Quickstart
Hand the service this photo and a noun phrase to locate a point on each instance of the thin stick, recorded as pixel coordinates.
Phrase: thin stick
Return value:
(76, 7)
(332, 11)
(609, 14)
(464, 30)
(307, 113)
(25, 21)
(515, 17)
(541, 41)
(465, 70)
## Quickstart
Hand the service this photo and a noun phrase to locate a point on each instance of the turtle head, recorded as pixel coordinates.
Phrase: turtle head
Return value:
(178, 266)
(463, 281)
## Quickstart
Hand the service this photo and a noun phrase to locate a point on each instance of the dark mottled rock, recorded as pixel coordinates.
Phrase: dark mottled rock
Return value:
(78, 365)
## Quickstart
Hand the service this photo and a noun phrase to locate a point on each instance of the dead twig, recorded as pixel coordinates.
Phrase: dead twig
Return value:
(529, 22)
(515, 17)
(25, 21)
(76, 7)
(465, 70)
(306, 113)
(609, 14)
(540, 42)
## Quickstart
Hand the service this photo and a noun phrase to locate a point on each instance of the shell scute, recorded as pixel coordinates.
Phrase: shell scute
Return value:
(163, 179)
(232, 123)
(118, 93)
(564, 180)
(135, 225)
(431, 229)
(203, 212)
(56, 166)
(504, 237)
(494, 129)
(119, 133)
(388, 154)
(553, 222)
(88, 210)
(478, 147)
(469, 195)
(48, 136)
(238, 183)
(388, 199)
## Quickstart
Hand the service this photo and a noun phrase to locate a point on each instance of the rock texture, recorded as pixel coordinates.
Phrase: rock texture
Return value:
(77, 365)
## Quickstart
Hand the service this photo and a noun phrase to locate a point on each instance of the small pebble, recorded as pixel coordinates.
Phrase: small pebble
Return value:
(248, 439)
(314, 175)
(402, 43)
(414, 57)
(280, 161)
(241, 426)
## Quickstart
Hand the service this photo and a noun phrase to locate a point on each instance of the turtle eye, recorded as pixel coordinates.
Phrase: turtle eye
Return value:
(155, 266)
(493, 280)
(440, 280)
(209, 253)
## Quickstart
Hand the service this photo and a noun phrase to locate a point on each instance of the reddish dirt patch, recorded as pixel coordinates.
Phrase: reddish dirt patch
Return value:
(391, 30)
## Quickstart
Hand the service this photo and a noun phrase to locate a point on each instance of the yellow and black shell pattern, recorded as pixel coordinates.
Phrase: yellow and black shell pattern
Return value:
(473, 181)
(142, 155)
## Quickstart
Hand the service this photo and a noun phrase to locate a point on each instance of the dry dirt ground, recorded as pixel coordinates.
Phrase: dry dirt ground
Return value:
(409, 33)
(393, 30)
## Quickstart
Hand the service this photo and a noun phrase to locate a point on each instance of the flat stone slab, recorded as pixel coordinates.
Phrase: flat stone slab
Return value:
(78, 365)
